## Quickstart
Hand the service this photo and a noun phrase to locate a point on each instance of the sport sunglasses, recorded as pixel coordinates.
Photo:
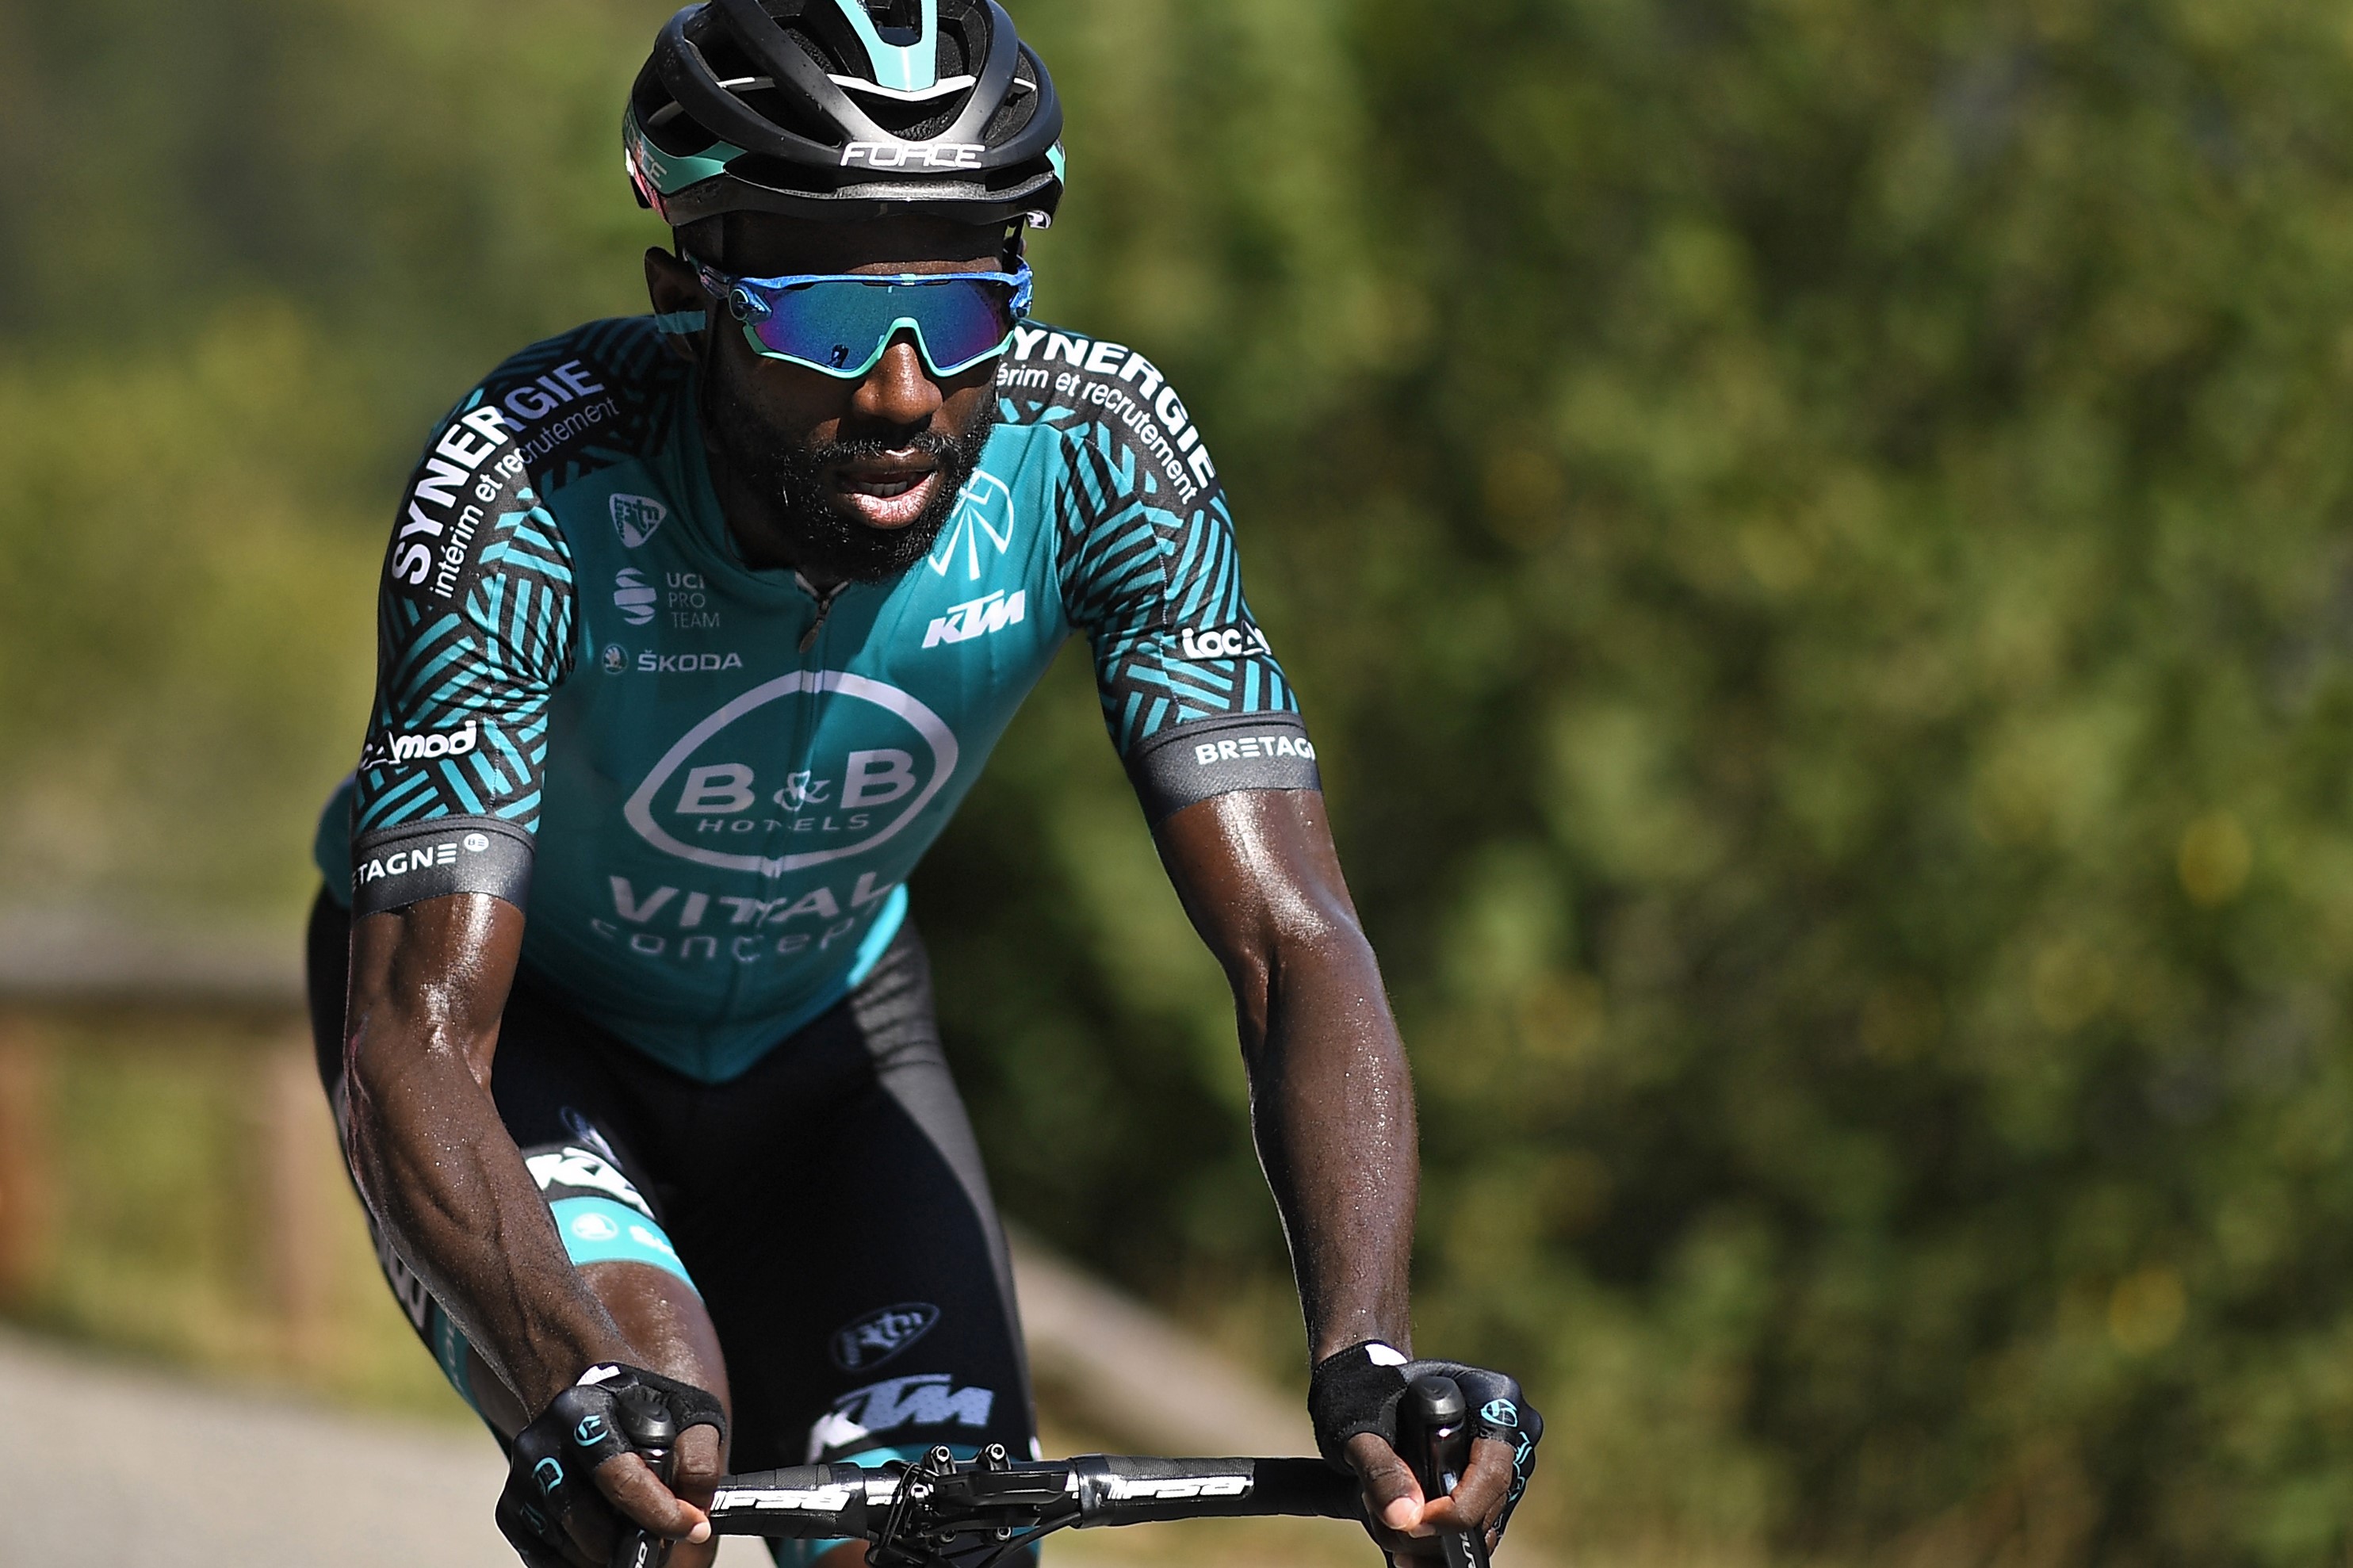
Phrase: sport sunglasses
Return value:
(840, 322)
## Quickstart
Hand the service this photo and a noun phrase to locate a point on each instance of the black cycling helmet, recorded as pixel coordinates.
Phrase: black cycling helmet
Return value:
(845, 109)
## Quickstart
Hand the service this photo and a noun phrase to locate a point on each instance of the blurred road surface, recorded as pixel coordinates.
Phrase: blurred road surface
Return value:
(106, 1468)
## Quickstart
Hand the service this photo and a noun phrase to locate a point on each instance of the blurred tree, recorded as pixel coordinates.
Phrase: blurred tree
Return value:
(1811, 534)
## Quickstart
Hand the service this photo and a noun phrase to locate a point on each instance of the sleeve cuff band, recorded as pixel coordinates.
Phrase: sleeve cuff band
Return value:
(1218, 756)
(396, 866)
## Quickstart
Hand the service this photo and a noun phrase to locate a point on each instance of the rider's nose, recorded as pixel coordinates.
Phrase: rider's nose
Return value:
(899, 391)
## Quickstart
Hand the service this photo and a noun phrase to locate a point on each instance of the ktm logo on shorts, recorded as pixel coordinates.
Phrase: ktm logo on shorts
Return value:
(926, 1399)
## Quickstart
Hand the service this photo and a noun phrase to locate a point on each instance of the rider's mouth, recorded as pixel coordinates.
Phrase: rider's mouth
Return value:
(886, 495)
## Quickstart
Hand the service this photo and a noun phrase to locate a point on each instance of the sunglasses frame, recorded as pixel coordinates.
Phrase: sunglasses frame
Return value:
(749, 310)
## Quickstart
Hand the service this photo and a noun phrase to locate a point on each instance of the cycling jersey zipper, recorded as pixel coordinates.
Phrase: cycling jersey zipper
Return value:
(825, 598)
(811, 701)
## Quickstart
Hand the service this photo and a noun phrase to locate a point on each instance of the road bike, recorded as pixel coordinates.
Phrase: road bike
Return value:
(944, 1512)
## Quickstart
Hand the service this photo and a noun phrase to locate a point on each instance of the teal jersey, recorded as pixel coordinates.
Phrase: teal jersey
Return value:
(706, 786)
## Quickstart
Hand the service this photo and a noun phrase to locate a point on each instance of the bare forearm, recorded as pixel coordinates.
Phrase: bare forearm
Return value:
(1331, 1108)
(1331, 1099)
(434, 1161)
(452, 1191)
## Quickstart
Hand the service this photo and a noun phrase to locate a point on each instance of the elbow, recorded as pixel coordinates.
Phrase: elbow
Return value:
(1303, 952)
(1309, 936)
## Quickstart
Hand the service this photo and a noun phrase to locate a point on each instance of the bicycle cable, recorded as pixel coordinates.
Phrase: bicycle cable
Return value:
(914, 1489)
(1029, 1538)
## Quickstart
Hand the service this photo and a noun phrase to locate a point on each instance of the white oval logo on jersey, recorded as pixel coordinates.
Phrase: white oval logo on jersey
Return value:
(712, 799)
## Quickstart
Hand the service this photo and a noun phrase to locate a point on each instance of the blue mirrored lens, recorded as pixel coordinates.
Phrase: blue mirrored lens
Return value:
(842, 324)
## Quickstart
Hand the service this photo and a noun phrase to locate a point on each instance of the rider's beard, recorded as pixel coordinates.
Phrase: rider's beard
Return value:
(790, 482)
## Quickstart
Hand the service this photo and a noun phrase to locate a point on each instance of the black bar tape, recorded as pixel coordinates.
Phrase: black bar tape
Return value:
(1304, 1487)
(396, 866)
(1218, 756)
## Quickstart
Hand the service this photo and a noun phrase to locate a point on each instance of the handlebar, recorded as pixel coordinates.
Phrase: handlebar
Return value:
(943, 1509)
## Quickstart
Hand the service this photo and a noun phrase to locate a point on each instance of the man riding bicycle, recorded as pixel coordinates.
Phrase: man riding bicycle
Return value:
(694, 628)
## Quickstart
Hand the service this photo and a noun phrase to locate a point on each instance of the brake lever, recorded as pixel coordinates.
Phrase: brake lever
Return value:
(1440, 1452)
(645, 1421)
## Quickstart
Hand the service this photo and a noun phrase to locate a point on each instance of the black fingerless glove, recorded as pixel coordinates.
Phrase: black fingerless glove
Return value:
(1355, 1390)
(549, 1496)
(1360, 1390)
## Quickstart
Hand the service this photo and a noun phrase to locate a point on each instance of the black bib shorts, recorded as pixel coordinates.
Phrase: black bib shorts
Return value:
(829, 1205)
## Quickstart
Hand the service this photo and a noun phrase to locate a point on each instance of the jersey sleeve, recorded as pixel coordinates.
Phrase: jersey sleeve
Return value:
(473, 635)
(1196, 703)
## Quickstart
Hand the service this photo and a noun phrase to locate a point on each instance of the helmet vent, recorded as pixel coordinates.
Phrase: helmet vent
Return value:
(759, 93)
(918, 121)
(938, 90)
(893, 41)
(1010, 117)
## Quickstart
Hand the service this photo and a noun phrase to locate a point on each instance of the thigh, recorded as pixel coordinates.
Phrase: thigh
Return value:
(568, 1096)
(855, 1267)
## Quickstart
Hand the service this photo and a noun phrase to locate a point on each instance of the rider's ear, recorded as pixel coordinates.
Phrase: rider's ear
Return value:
(678, 300)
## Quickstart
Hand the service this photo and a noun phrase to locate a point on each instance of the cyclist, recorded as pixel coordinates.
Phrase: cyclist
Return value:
(694, 628)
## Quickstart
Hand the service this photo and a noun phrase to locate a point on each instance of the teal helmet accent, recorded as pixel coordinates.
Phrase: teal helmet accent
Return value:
(845, 109)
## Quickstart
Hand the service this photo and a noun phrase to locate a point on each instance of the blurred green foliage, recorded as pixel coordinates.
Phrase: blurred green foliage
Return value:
(1811, 534)
(174, 1164)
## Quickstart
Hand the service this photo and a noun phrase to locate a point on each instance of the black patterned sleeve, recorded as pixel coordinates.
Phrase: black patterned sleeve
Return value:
(474, 633)
(1194, 698)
